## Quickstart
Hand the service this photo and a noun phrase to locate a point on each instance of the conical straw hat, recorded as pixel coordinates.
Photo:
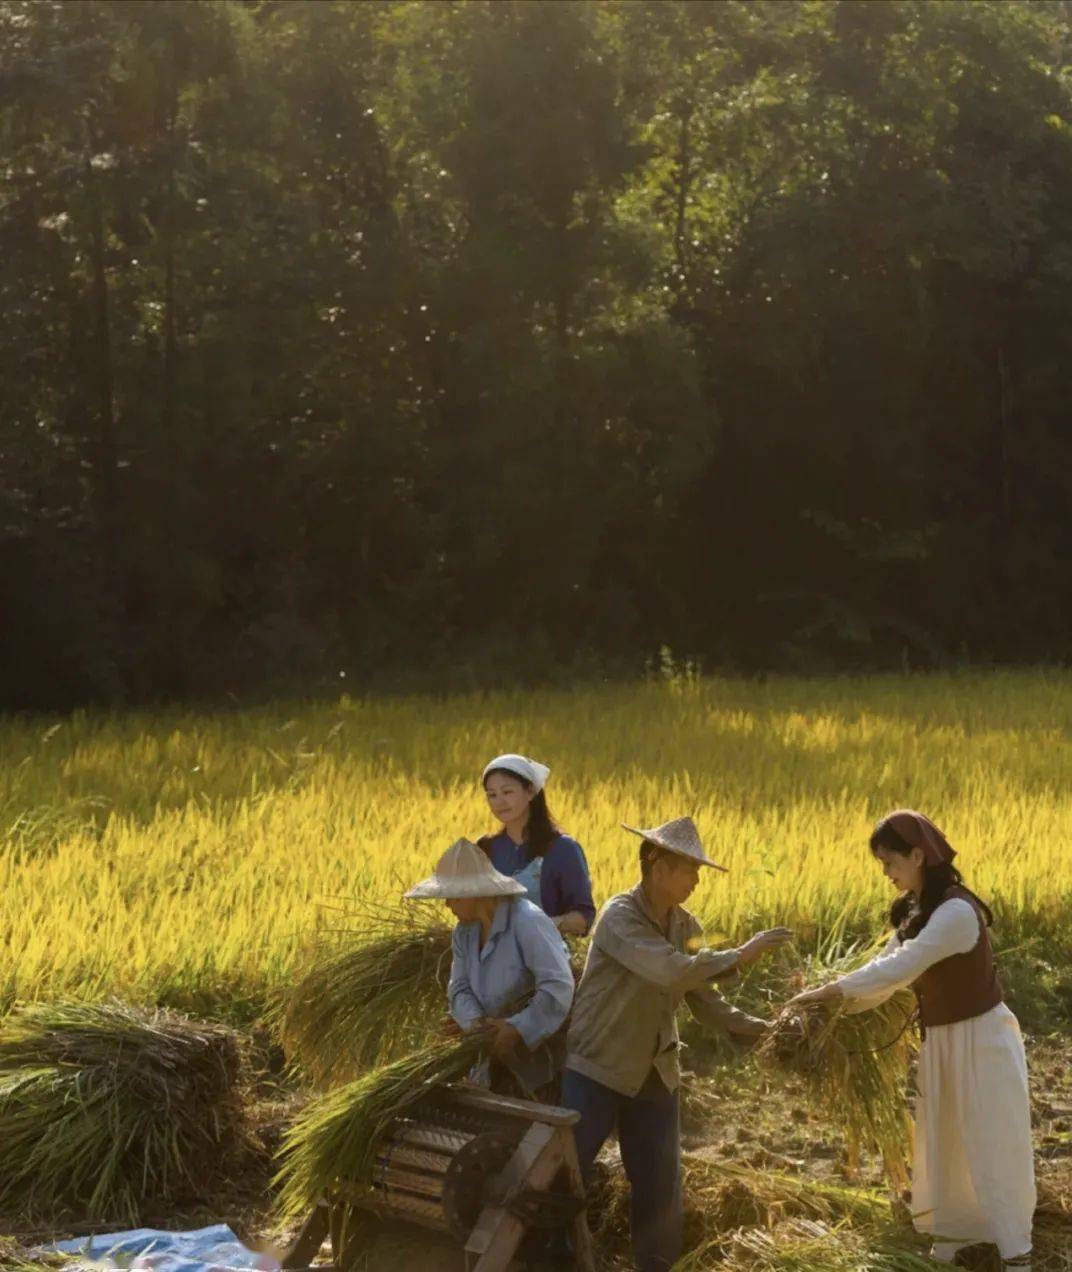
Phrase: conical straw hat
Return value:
(465, 870)
(680, 836)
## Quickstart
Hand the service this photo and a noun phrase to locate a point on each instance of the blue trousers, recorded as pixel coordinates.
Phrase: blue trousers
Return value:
(649, 1136)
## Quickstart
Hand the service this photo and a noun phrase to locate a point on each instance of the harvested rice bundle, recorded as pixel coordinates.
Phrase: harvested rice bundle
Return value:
(368, 993)
(853, 1068)
(107, 1108)
(335, 1137)
(371, 992)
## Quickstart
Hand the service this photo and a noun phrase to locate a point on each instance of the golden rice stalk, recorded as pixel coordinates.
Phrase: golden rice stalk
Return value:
(106, 1108)
(371, 992)
(720, 1198)
(368, 993)
(807, 1245)
(853, 1068)
(334, 1139)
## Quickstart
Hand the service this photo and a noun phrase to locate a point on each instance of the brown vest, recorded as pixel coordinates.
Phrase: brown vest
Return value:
(964, 985)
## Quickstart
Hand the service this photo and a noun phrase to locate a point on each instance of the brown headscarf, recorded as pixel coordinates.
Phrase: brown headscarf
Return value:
(920, 832)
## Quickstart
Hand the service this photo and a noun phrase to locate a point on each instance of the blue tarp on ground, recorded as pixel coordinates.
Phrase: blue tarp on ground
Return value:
(213, 1249)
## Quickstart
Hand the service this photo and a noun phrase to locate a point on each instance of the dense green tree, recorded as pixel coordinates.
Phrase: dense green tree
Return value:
(485, 336)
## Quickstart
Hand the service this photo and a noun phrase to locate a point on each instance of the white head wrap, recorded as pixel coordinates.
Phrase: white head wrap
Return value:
(531, 770)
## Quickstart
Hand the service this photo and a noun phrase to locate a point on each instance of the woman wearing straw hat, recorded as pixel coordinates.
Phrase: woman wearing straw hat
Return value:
(504, 950)
(531, 848)
(973, 1177)
(622, 1062)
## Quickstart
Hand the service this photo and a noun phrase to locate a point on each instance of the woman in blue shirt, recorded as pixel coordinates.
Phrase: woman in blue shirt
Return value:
(530, 847)
(505, 952)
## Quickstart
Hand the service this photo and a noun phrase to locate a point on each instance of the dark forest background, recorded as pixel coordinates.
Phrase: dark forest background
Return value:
(474, 340)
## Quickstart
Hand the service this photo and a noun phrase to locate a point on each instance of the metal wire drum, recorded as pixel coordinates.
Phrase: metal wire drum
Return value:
(437, 1175)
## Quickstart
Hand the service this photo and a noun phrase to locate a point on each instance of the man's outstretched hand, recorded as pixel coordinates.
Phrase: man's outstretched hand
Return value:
(763, 943)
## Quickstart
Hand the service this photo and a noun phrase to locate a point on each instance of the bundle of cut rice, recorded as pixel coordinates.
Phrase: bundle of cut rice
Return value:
(369, 993)
(108, 1109)
(334, 1139)
(853, 1066)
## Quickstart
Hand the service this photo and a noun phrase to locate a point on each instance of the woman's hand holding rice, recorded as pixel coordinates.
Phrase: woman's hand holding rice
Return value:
(824, 994)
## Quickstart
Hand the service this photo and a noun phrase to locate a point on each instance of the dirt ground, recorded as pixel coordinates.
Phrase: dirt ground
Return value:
(730, 1115)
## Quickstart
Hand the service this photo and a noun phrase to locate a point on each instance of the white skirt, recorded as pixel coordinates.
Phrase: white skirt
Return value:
(973, 1177)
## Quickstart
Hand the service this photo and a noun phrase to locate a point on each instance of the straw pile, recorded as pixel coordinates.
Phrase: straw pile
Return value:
(720, 1198)
(744, 1220)
(334, 1139)
(369, 994)
(14, 1258)
(807, 1245)
(106, 1109)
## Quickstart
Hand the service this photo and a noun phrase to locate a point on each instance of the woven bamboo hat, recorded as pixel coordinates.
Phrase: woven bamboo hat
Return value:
(680, 836)
(465, 870)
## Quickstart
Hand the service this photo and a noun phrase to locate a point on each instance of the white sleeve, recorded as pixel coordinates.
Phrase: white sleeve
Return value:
(953, 928)
(855, 1005)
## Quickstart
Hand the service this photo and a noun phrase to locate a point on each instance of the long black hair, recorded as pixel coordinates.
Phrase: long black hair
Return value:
(937, 880)
(541, 829)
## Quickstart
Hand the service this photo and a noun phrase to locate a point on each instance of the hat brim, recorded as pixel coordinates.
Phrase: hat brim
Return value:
(434, 889)
(653, 837)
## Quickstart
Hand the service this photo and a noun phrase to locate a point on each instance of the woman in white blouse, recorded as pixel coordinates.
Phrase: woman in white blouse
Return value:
(973, 1174)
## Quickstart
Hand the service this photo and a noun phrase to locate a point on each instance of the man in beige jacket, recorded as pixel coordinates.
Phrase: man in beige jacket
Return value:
(622, 1048)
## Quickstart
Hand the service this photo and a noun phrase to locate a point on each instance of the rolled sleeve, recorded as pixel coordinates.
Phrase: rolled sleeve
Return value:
(567, 885)
(714, 1012)
(625, 936)
(465, 1008)
(695, 943)
(545, 957)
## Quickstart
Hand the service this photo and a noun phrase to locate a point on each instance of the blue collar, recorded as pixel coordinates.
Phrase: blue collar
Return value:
(501, 922)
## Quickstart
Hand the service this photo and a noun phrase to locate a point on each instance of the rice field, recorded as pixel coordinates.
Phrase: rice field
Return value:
(185, 858)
